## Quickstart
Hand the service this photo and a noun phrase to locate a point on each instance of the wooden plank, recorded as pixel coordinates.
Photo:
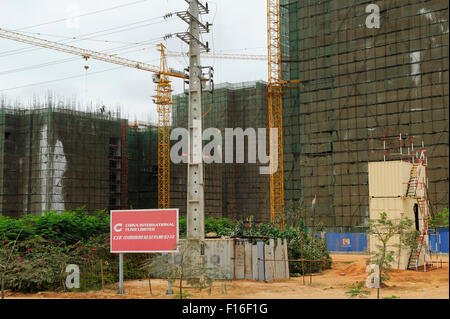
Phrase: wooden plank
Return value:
(286, 256)
(261, 264)
(269, 255)
(279, 265)
(248, 261)
(220, 253)
(239, 261)
(254, 262)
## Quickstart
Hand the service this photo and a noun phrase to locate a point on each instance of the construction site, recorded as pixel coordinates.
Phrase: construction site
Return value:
(362, 115)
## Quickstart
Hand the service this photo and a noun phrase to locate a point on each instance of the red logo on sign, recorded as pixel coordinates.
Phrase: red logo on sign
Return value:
(144, 231)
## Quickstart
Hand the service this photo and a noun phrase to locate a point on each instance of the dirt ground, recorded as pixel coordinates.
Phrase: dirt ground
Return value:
(331, 284)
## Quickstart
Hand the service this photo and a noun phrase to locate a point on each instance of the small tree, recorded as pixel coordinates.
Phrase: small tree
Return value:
(440, 220)
(384, 230)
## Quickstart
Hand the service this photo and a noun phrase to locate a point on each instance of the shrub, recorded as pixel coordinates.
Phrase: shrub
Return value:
(66, 227)
(39, 265)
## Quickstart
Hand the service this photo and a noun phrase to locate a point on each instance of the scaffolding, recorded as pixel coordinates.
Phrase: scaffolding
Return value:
(56, 158)
(142, 188)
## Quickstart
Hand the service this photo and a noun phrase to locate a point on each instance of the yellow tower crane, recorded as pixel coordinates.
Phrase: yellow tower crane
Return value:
(275, 94)
(163, 100)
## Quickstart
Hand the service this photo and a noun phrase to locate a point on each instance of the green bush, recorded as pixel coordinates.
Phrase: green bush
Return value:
(221, 226)
(39, 265)
(66, 227)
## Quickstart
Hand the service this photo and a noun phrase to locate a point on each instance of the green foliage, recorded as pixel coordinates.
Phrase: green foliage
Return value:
(221, 226)
(440, 220)
(38, 264)
(392, 297)
(66, 227)
(182, 226)
(46, 244)
(357, 290)
(8, 262)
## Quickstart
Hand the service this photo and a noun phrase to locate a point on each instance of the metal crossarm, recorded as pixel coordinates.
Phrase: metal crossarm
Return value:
(187, 37)
(188, 18)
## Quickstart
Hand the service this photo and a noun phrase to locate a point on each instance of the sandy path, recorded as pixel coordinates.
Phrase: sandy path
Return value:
(331, 284)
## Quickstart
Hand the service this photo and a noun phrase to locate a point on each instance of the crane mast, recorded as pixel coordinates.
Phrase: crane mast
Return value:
(275, 92)
(163, 100)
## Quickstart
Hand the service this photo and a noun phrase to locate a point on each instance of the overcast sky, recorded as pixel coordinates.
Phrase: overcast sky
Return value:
(238, 27)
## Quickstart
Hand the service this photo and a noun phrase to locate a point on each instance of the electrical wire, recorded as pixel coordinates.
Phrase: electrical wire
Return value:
(77, 38)
(67, 78)
(30, 48)
(82, 15)
(243, 49)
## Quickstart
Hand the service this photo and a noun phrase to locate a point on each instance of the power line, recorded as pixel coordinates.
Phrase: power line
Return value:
(78, 38)
(67, 78)
(81, 15)
(32, 48)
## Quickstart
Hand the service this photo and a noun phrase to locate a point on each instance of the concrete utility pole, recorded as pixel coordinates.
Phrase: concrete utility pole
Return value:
(195, 180)
(195, 195)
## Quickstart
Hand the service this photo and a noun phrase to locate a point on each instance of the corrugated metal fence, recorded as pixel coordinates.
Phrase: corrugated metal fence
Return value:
(357, 242)
(442, 236)
(351, 242)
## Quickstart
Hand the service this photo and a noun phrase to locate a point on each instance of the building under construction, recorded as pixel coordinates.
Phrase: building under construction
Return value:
(54, 158)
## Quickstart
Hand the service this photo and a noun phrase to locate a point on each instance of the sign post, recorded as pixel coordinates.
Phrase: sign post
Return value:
(143, 231)
(121, 290)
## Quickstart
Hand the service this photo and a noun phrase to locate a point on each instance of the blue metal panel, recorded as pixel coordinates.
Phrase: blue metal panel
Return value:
(346, 242)
(434, 240)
